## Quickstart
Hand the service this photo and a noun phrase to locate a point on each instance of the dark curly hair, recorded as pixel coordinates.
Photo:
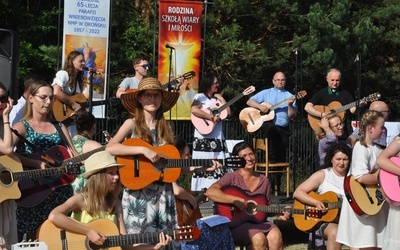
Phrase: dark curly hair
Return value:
(333, 149)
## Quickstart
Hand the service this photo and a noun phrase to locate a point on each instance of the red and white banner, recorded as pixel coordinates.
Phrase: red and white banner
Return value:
(86, 29)
(180, 30)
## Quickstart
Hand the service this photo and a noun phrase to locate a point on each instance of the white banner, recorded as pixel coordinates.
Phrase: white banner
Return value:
(86, 29)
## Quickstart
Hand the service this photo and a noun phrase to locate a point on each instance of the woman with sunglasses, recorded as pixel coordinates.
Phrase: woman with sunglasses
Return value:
(8, 227)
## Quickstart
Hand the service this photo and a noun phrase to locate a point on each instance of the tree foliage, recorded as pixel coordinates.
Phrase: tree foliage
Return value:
(245, 41)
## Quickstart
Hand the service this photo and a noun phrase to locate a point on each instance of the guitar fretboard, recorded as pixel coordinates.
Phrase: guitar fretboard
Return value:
(77, 159)
(230, 102)
(129, 239)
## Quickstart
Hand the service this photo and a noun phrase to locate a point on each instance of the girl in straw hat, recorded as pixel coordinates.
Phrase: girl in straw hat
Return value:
(155, 203)
(99, 199)
(151, 209)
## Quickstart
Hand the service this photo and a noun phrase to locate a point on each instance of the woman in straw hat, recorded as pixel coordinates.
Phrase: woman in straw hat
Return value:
(99, 199)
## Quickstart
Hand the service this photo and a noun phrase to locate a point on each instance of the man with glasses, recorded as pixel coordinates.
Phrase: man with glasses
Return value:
(141, 66)
(276, 130)
(384, 109)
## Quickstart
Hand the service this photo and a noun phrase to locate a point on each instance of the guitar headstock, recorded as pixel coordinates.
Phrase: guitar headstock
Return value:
(373, 97)
(187, 233)
(249, 90)
(301, 94)
(313, 212)
(235, 162)
(188, 75)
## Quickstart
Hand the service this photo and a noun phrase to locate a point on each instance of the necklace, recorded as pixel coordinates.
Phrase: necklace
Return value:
(84, 135)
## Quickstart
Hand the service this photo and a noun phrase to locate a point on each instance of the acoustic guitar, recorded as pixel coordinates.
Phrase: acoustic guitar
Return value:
(36, 184)
(186, 213)
(205, 126)
(255, 203)
(62, 111)
(335, 108)
(173, 83)
(363, 199)
(309, 218)
(390, 184)
(51, 235)
(139, 172)
(252, 119)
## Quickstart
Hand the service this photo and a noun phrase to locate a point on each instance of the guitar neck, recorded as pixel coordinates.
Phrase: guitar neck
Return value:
(184, 163)
(230, 102)
(273, 107)
(77, 159)
(271, 209)
(38, 173)
(345, 107)
(130, 239)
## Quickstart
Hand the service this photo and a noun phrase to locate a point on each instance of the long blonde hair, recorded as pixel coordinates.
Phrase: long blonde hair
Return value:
(165, 135)
(35, 86)
(370, 117)
(97, 193)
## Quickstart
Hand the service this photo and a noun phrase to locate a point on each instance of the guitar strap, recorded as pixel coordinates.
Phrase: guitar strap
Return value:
(66, 143)
(42, 154)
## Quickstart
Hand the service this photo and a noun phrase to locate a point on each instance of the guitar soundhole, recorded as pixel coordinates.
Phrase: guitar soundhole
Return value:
(379, 197)
(5, 177)
(251, 208)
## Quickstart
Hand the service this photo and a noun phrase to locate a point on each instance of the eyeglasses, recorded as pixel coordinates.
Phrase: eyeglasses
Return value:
(280, 80)
(387, 111)
(339, 125)
(146, 66)
(216, 83)
(45, 98)
(4, 99)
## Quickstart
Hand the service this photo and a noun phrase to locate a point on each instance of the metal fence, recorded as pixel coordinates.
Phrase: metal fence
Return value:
(302, 154)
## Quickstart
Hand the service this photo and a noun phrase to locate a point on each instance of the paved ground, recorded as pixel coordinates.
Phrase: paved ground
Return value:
(291, 235)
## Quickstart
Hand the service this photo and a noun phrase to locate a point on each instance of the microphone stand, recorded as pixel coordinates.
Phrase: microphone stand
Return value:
(169, 71)
(91, 73)
(358, 90)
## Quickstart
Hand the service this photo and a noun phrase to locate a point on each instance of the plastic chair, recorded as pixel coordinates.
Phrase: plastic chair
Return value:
(263, 165)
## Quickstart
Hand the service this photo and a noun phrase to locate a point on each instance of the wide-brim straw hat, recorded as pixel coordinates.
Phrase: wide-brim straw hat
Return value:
(130, 100)
(99, 161)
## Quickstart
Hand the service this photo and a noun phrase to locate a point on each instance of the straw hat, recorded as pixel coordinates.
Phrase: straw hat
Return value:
(130, 100)
(99, 161)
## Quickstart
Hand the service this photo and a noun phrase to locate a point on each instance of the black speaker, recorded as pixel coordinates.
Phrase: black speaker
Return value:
(9, 60)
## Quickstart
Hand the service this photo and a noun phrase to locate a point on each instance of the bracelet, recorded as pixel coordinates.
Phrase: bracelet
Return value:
(321, 114)
(6, 123)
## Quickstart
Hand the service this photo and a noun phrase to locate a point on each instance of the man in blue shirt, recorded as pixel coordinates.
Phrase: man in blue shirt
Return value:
(276, 130)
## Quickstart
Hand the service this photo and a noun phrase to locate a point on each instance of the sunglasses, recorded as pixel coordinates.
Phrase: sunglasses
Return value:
(146, 66)
(4, 99)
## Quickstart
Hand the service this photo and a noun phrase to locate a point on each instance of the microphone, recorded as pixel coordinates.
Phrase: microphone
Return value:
(169, 47)
(357, 58)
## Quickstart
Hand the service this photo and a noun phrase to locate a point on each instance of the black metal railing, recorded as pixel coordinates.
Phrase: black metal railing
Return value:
(302, 154)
